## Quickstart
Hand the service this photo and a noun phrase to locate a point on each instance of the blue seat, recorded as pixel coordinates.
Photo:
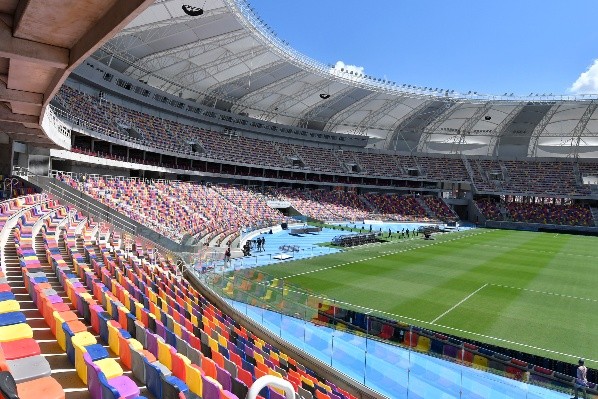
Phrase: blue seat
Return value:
(103, 318)
(10, 318)
(172, 386)
(96, 352)
(153, 378)
(7, 296)
(170, 337)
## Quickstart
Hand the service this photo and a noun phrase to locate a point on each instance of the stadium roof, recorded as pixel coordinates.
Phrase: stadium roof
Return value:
(227, 58)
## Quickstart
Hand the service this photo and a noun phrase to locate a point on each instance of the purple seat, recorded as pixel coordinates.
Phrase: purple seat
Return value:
(152, 343)
(102, 388)
(118, 388)
(275, 395)
(450, 351)
(209, 389)
(160, 329)
(54, 299)
(223, 377)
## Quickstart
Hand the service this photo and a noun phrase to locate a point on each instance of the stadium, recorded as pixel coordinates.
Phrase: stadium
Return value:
(192, 208)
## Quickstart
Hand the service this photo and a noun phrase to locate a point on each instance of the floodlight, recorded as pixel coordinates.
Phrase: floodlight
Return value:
(192, 11)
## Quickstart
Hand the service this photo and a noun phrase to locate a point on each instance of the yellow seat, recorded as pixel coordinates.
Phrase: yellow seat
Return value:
(222, 341)
(15, 332)
(177, 329)
(86, 296)
(113, 342)
(109, 367)
(60, 337)
(138, 307)
(135, 345)
(80, 341)
(259, 343)
(10, 305)
(480, 362)
(268, 296)
(228, 290)
(152, 296)
(213, 344)
(193, 379)
(258, 357)
(164, 355)
(423, 344)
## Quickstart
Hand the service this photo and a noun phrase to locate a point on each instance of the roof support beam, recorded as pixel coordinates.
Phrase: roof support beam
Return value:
(6, 115)
(113, 20)
(27, 50)
(11, 127)
(18, 96)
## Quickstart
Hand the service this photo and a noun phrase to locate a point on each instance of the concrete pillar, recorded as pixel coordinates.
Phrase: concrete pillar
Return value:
(5, 155)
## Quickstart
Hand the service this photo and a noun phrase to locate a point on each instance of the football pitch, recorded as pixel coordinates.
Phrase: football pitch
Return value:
(531, 292)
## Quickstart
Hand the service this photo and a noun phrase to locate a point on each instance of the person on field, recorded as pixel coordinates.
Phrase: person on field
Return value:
(227, 257)
(581, 380)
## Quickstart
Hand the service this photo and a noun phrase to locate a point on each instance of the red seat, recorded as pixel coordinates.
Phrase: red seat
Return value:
(410, 339)
(387, 331)
(20, 348)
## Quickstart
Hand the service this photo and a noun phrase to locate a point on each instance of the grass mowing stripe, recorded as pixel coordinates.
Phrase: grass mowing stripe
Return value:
(383, 254)
(541, 288)
(367, 310)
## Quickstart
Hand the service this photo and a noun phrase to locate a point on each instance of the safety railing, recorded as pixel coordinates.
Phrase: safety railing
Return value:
(349, 338)
(56, 129)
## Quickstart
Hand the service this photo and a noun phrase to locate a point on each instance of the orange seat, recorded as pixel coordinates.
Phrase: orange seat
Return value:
(45, 387)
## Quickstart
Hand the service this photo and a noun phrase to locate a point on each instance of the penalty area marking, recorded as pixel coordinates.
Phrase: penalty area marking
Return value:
(458, 303)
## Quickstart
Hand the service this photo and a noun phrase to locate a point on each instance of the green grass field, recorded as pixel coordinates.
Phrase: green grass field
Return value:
(532, 292)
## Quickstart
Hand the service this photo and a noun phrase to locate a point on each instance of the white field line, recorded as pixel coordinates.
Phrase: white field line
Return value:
(545, 292)
(536, 251)
(459, 330)
(383, 254)
(459, 303)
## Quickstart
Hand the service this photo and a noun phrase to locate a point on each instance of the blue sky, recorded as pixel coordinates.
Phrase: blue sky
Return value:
(492, 47)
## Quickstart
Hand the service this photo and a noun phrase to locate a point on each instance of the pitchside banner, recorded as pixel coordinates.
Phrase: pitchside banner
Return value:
(278, 204)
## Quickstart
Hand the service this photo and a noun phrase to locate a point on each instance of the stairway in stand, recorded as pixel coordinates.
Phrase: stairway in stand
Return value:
(62, 370)
(68, 260)
(431, 214)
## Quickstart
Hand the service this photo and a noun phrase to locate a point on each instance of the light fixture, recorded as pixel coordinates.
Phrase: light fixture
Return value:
(192, 11)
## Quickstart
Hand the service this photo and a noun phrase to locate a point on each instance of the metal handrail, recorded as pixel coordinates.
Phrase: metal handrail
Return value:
(92, 209)
(270, 380)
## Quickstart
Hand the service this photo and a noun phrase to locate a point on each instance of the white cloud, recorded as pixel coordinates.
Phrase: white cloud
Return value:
(587, 82)
(340, 66)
